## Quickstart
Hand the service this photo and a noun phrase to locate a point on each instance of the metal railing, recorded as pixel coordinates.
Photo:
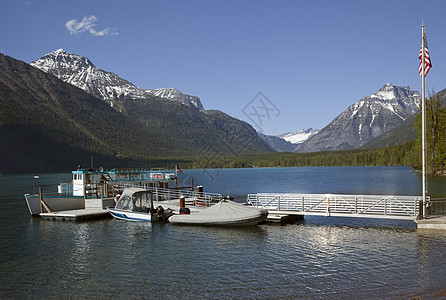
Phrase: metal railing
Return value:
(192, 196)
(437, 207)
(370, 206)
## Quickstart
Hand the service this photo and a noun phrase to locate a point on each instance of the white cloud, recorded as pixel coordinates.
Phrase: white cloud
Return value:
(87, 24)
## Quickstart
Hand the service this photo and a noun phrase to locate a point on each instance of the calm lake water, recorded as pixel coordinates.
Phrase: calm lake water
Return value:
(320, 258)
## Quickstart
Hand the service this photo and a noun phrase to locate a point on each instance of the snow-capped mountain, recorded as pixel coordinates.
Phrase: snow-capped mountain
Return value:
(277, 143)
(81, 72)
(368, 118)
(300, 136)
(287, 142)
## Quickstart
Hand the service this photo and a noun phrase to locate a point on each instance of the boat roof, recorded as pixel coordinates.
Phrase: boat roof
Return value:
(132, 191)
(120, 171)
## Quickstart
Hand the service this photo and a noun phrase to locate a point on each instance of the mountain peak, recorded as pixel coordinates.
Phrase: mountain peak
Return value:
(55, 62)
(387, 92)
(60, 50)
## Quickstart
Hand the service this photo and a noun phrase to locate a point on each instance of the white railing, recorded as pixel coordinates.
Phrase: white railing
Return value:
(371, 206)
(192, 197)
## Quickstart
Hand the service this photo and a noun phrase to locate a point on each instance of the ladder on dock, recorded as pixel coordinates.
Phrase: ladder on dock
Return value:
(366, 206)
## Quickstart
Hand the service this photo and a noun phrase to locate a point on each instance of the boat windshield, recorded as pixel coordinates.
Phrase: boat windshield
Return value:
(139, 201)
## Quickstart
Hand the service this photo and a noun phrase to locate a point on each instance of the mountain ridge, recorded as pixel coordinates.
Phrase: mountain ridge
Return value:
(81, 72)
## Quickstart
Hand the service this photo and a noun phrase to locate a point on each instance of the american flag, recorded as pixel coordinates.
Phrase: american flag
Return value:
(427, 59)
(179, 170)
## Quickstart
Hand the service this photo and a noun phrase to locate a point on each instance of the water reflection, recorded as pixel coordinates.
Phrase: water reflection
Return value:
(81, 241)
(431, 256)
(332, 258)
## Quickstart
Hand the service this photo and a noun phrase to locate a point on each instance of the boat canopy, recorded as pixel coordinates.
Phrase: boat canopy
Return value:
(135, 199)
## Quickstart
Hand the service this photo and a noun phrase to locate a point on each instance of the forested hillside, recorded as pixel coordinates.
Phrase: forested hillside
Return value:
(49, 125)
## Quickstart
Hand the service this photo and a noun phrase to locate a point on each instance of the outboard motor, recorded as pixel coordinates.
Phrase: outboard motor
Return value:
(160, 213)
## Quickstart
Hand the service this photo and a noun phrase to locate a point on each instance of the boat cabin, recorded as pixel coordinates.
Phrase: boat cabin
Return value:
(90, 181)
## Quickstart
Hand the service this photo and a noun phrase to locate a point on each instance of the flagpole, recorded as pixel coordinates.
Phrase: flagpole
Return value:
(423, 119)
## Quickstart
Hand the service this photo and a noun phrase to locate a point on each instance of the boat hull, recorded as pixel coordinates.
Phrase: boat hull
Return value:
(55, 202)
(138, 216)
(130, 215)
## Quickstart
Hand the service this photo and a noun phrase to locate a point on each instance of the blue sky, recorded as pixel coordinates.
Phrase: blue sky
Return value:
(280, 65)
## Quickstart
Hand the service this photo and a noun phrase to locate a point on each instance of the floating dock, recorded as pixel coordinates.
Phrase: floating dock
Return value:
(432, 222)
(283, 219)
(77, 215)
(94, 209)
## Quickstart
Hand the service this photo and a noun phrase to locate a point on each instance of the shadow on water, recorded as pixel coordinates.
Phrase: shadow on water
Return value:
(359, 222)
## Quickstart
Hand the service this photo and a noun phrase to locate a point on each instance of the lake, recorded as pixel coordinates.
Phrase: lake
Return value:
(319, 258)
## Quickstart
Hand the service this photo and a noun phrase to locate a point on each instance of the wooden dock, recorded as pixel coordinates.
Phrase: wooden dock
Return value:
(77, 215)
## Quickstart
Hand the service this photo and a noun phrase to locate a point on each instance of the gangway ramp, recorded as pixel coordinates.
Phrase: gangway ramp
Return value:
(366, 206)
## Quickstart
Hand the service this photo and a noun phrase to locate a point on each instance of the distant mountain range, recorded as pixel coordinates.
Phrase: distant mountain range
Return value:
(359, 124)
(47, 124)
(58, 113)
(288, 142)
(298, 137)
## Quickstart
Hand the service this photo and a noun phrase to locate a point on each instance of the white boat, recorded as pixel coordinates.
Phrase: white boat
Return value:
(224, 213)
(96, 188)
(136, 204)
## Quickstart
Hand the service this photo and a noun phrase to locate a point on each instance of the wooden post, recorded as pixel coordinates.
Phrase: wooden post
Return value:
(41, 199)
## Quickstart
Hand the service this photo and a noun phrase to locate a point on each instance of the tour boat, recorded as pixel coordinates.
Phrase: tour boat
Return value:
(96, 188)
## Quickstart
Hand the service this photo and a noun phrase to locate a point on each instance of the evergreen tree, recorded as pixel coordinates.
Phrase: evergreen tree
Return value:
(435, 135)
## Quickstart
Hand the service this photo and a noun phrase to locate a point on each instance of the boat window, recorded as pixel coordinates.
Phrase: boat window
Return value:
(125, 203)
(142, 202)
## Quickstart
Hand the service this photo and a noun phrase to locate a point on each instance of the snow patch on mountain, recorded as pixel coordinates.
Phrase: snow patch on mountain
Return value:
(287, 142)
(300, 136)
